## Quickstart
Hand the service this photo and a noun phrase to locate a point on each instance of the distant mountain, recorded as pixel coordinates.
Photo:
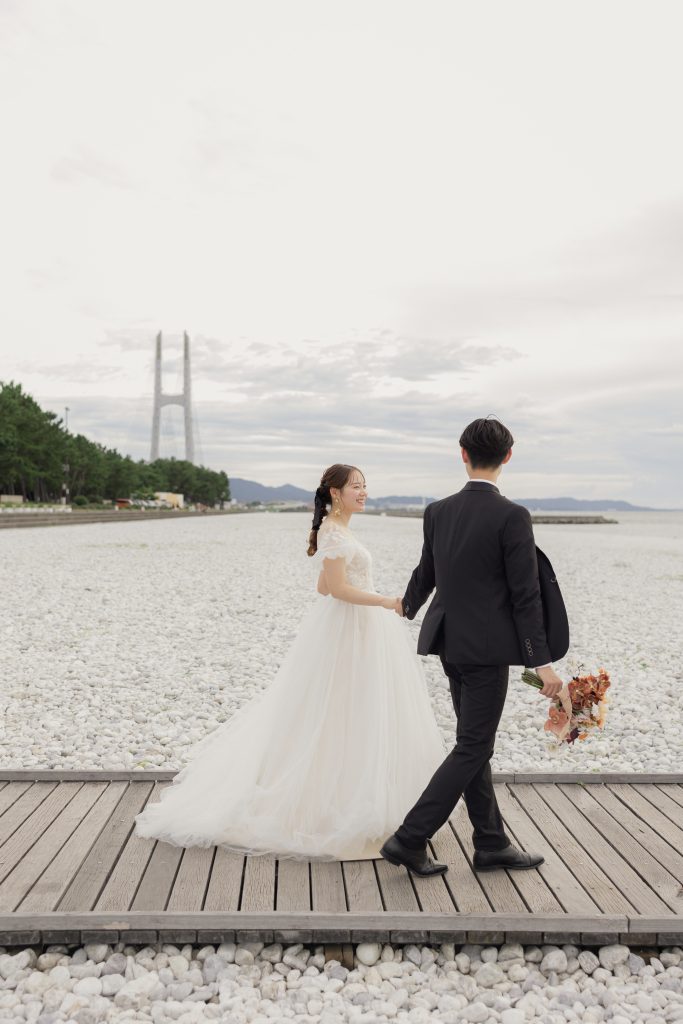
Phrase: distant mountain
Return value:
(250, 490)
(579, 505)
(399, 501)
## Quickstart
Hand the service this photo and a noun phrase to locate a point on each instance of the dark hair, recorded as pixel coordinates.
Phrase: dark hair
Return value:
(486, 442)
(334, 476)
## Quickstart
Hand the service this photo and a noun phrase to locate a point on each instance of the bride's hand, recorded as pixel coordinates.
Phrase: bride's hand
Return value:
(390, 603)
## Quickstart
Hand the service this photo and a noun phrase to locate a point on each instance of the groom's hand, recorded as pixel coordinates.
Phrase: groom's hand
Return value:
(552, 684)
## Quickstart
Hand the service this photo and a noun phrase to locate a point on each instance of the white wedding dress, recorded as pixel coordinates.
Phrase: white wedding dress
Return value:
(327, 761)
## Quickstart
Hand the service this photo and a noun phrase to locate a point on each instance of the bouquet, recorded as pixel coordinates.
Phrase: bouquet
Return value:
(580, 706)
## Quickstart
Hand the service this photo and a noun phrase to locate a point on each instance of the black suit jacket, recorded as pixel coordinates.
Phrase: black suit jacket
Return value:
(480, 555)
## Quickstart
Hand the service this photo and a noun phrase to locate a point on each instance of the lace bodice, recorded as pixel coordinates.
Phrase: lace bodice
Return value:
(335, 541)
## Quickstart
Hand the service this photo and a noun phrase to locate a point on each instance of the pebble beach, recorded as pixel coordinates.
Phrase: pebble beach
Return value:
(128, 642)
(472, 984)
(125, 643)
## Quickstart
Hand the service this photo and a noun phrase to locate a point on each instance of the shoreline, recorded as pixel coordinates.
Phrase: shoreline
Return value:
(57, 517)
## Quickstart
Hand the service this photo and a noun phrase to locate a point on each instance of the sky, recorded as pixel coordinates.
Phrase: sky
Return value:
(377, 221)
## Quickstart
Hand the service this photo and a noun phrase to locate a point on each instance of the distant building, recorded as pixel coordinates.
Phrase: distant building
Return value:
(174, 500)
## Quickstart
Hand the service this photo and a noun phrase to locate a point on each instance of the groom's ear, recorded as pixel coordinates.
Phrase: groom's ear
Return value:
(507, 457)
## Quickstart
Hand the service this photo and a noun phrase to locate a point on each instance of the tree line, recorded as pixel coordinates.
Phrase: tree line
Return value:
(35, 448)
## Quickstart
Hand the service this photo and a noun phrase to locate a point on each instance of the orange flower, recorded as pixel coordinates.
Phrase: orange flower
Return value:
(556, 722)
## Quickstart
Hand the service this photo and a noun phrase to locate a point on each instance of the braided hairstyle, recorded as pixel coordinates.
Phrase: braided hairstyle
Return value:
(334, 476)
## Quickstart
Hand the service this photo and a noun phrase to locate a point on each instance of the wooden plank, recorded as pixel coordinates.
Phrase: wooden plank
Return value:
(10, 793)
(264, 935)
(225, 882)
(192, 879)
(125, 921)
(674, 793)
(120, 889)
(24, 939)
(214, 936)
(455, 890)
(362, 888)
(646, 830)
(258, 892)
(84, 888)
(396, 887)
(162, 774)
(672, 924)
(327, 886)
(567, 890)
(626, 834)
(609, 877)
(660, 799)
(18, 812)
(293, 891)
(602, 853)
(598, 778)
(151, 871)
(434, 893)
(21, 841)
(47, 846)
(49, 888)
(497, 885)
(143, 776)
(532, 886)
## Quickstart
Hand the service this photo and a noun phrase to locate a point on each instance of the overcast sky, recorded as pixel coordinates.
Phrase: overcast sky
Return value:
(376, 220)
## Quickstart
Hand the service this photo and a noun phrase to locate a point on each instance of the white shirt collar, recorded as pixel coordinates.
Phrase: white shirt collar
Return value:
(477, 481)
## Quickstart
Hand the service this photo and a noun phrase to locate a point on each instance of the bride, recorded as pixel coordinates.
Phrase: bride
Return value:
(326, 761)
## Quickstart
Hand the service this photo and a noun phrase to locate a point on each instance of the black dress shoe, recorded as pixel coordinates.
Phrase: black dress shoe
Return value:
(510, 857)
(416, 860)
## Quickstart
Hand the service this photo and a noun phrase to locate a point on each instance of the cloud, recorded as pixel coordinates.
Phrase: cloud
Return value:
(81, 372)
(72, 170)
(406, 444)
(131, 339)
(670, 430)
(355, 366)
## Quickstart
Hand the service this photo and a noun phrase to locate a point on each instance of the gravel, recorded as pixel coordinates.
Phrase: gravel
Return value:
(483, 985)
(128, 642)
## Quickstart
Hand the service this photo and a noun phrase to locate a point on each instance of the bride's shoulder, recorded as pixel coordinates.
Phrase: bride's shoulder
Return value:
(334, 530)
(333, 535)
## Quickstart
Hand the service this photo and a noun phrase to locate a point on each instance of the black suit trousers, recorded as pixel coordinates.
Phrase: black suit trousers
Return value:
(478, 693)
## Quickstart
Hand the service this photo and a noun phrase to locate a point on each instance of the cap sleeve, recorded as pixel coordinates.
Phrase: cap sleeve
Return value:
(333, 542)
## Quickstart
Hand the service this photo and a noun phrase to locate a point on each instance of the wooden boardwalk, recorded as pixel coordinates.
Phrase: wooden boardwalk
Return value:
(71, 870)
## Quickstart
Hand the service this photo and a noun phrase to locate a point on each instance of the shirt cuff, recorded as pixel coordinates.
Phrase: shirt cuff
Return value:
(548, 664)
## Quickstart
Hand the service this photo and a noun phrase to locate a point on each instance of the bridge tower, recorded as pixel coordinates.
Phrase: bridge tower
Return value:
(184, 399)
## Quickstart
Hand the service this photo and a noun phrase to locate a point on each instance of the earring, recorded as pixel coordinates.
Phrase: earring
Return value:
(337, 509)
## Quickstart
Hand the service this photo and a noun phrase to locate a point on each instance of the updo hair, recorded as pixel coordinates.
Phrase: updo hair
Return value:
(334, 476)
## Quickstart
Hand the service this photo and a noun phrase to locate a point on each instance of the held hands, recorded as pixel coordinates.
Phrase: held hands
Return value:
(393, 604)
(552, 684)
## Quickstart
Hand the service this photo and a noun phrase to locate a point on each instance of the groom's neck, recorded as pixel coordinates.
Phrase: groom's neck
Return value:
(484, 474)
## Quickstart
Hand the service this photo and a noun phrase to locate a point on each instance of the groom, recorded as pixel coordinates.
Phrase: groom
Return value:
(487, 614)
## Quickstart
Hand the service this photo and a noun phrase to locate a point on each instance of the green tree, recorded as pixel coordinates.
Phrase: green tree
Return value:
(35, 448)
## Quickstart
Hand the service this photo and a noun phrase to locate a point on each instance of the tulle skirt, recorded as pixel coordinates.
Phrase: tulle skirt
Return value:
(326, 762)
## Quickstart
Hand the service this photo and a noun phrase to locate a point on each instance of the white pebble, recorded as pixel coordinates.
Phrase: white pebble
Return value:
(368, 952)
